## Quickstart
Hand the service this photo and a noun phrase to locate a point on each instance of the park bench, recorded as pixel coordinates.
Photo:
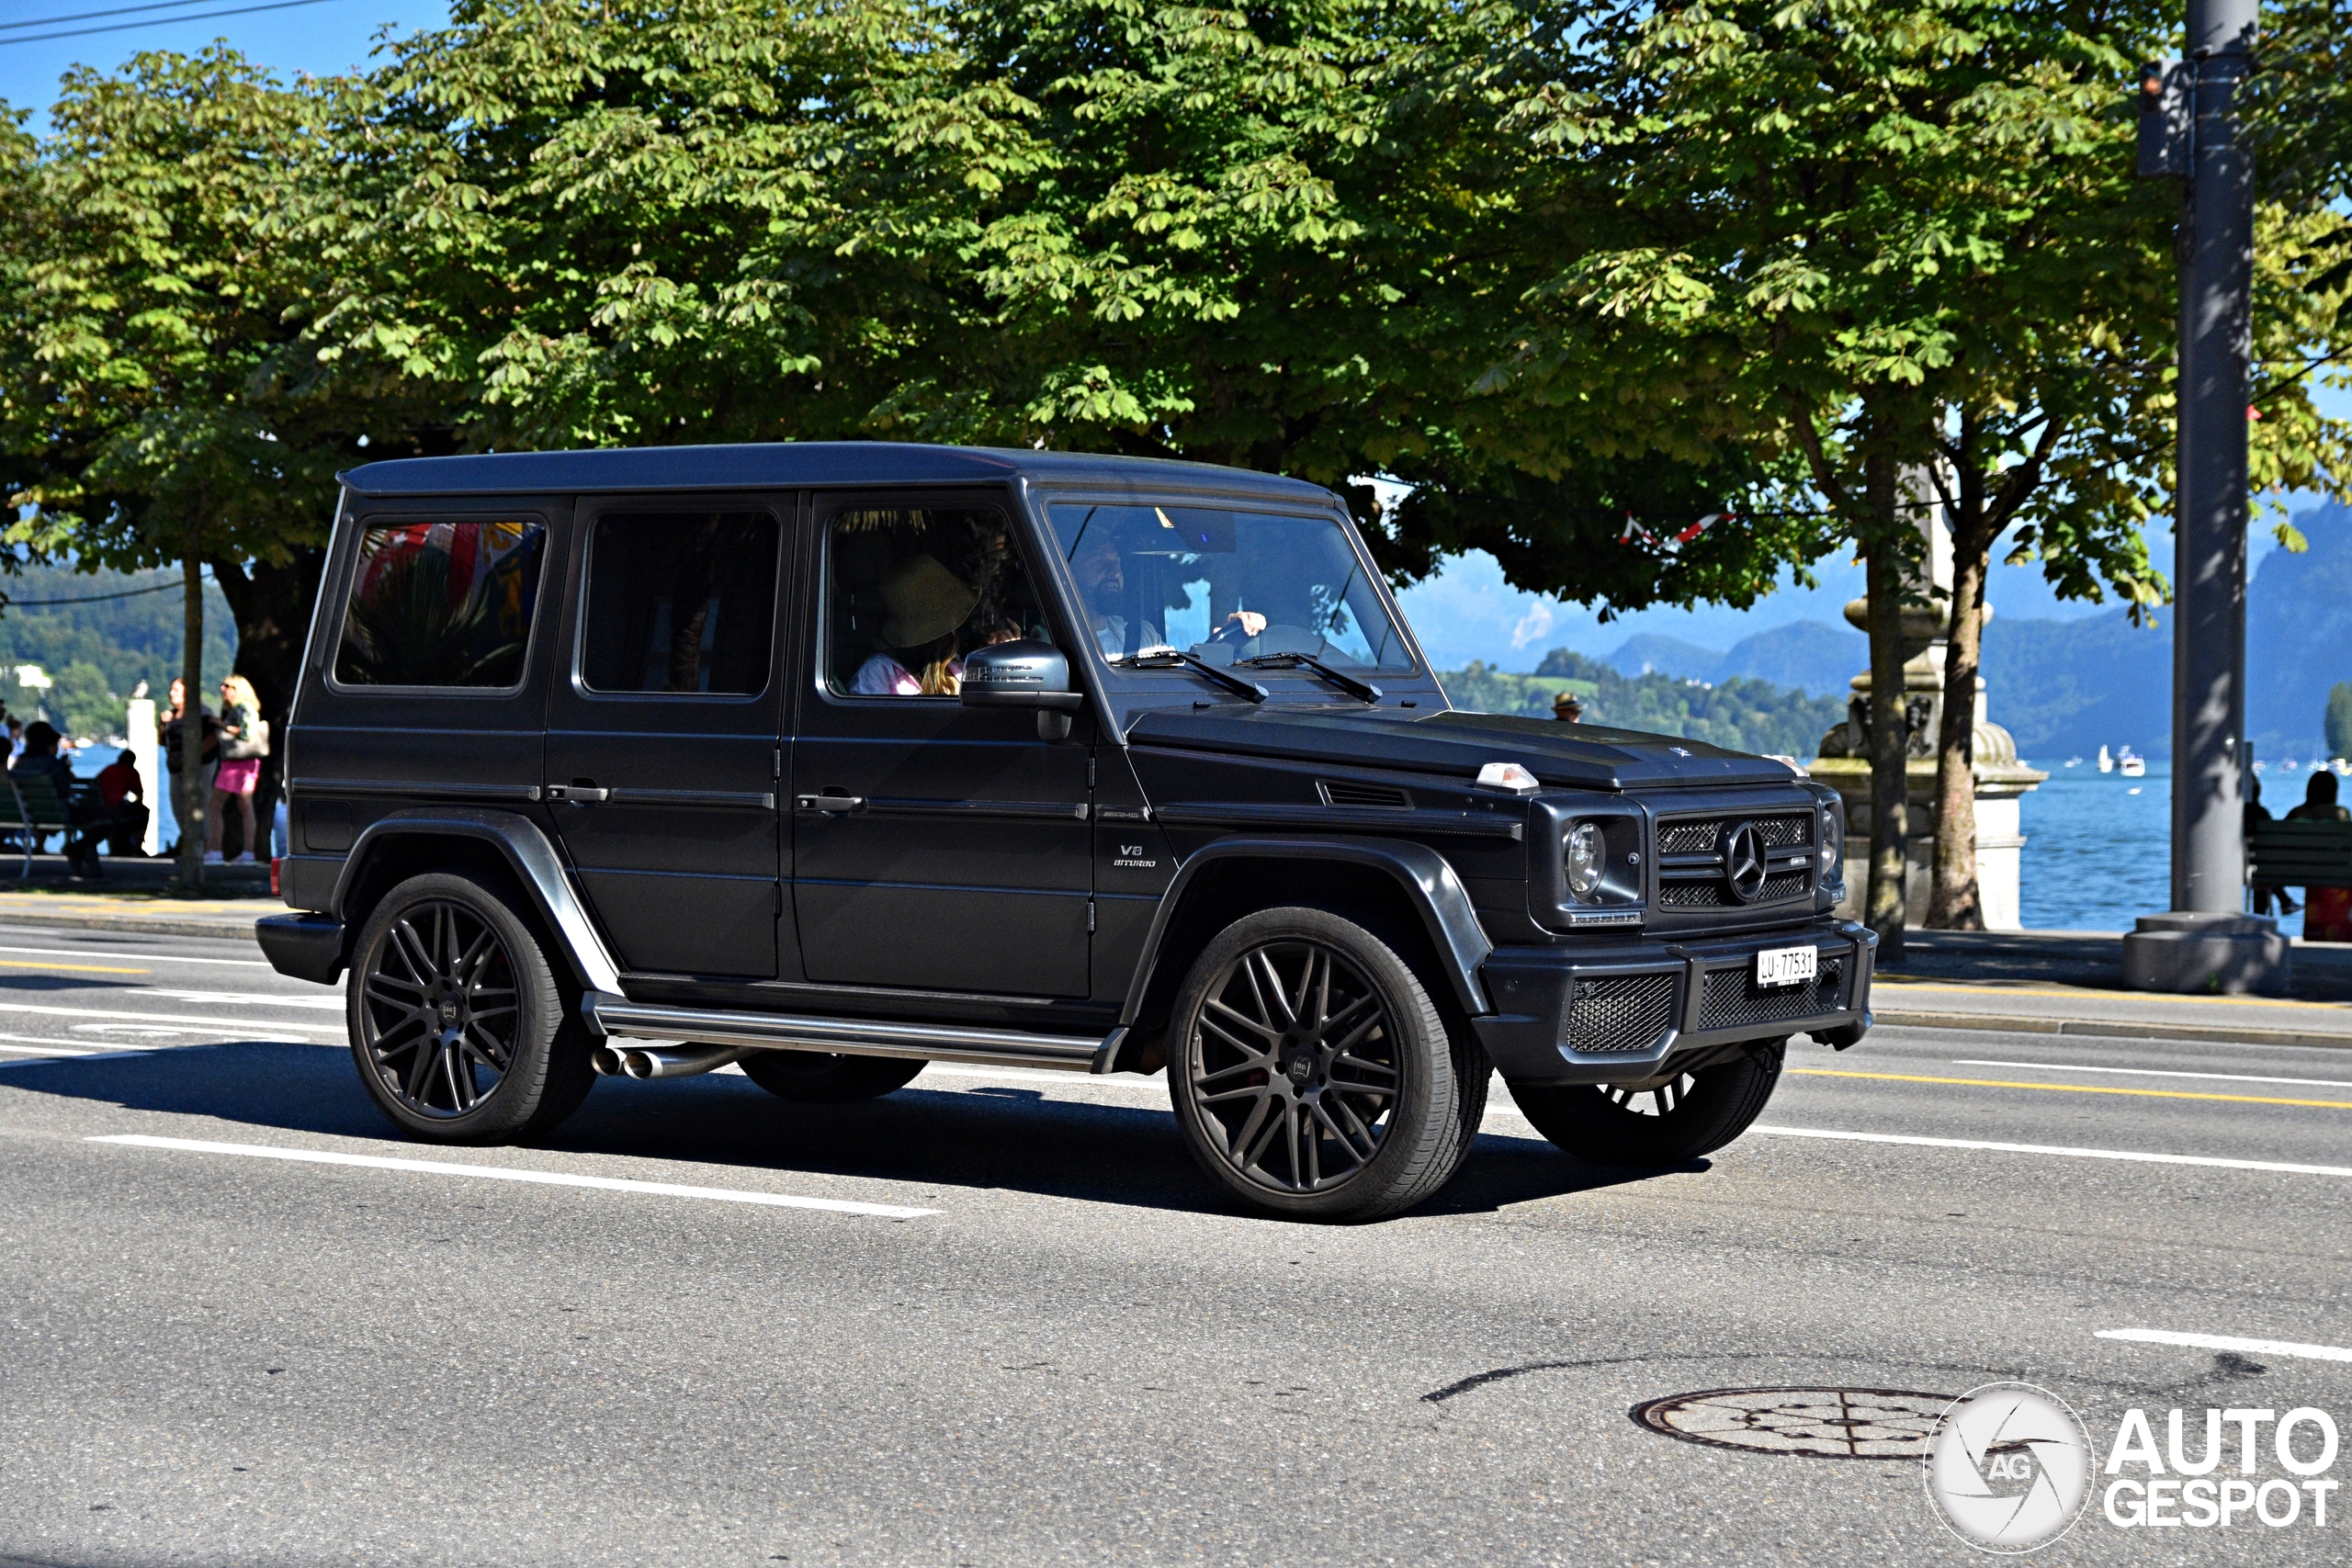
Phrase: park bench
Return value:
(2300, 855)
(30, 812)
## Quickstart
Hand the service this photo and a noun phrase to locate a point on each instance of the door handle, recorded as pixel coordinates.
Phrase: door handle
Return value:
(832, 805)
(578, 794)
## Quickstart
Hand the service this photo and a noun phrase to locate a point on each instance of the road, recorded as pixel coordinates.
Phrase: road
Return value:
(1074, 1353)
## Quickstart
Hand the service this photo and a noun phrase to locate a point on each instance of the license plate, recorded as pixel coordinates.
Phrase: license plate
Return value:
(1786, 966)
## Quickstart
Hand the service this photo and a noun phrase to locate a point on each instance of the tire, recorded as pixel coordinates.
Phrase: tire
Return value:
(1667, 1124)
(1291, 1015)
(458, 1025)
(817, 1078)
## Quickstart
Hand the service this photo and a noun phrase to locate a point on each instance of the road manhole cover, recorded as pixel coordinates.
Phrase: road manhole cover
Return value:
(1827, 1423)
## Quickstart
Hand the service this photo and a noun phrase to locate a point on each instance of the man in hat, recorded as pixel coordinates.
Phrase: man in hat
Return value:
(1567, 707)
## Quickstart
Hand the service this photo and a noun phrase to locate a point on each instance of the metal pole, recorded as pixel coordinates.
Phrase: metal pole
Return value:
(2209, 524)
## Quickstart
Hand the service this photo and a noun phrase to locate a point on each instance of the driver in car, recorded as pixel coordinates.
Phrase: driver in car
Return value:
(1100, 568)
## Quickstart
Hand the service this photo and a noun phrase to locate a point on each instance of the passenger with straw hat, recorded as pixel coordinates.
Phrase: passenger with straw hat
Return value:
(928, 604)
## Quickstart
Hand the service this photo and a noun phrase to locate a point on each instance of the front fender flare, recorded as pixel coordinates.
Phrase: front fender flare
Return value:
(526, 851)
(1424, 875)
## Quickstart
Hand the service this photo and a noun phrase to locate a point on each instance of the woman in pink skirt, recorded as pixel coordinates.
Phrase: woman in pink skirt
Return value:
(241, 731)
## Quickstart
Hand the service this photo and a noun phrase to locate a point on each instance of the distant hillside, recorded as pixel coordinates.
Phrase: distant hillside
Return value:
(97, 650)
(2065, 688)
(1813, 657)
(1746, 715)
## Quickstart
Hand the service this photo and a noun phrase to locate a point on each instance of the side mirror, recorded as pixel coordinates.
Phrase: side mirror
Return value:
(1022, 674)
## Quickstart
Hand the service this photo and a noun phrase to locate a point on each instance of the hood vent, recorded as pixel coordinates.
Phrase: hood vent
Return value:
(1384, 797)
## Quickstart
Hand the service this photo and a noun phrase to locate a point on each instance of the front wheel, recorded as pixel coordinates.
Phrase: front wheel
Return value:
(1311, 1072)
(1669, 1123)
(821, 1078)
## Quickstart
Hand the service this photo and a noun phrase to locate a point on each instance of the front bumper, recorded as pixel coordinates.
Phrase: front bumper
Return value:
(1617, 1014)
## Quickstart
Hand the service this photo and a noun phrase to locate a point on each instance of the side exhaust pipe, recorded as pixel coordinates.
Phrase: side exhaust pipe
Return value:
(607, 1061)
(685, 1062)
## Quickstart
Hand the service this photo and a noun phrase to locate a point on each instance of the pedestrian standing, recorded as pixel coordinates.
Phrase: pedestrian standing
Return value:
(244, 741)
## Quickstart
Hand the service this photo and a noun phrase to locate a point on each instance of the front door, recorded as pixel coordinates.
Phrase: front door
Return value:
(663, 739)
(936, 847)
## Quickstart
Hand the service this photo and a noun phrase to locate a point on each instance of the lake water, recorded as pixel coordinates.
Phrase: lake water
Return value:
(2099, 847)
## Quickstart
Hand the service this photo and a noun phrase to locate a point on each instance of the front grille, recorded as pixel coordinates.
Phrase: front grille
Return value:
(1688, 882)
(1703, 835)
(1386, 797)
(1732, 998)
(1626, 1012)
(1713, 894)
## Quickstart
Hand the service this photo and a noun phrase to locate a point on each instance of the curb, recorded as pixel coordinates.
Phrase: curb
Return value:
(2015, 1023)
(231, 930)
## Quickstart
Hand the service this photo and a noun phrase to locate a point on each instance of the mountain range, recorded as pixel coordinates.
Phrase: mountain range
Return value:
(2066, 687)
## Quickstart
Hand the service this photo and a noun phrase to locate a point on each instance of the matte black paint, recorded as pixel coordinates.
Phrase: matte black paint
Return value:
(796, 852)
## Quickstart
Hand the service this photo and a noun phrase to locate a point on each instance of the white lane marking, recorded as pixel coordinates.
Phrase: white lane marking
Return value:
(241, 998)
(2228, 1342)
(44, 1050)
(117, 953)
(208, 1025)
(2280, 1165)
(508, 1173)
(2151, 1073)
(1023, 1075)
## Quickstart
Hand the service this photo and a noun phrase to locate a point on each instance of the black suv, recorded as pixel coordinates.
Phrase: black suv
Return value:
(835, 760)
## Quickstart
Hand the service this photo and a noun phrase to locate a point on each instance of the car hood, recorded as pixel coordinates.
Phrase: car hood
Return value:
(1582, 756)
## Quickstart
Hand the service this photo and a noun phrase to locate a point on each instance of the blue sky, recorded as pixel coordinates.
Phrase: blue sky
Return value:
(1465, 611)
(321, 37)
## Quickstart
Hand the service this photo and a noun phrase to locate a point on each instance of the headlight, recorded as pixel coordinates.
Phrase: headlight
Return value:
(1832, 848)
(1587, 859)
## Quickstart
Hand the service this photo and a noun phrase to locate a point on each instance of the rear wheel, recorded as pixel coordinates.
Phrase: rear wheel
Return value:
(1669, 1123)
(456, 1023)
(1310, 1071)
(818, 1078)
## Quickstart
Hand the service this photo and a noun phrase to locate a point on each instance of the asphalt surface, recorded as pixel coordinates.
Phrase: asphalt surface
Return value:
(1076, 1352)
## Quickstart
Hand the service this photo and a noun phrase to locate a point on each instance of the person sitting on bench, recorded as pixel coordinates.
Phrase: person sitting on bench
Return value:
(2327, 915)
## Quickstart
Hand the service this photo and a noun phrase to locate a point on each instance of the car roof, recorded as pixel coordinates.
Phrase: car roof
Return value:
(788, 463)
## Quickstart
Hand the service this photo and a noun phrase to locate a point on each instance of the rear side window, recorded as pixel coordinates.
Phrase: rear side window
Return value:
(442, 604)
(680, 602)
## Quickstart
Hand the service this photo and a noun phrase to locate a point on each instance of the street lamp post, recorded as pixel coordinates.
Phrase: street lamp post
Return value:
(2188, 130)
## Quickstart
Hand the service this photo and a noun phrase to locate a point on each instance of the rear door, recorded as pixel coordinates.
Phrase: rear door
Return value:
(936, 847)
(663, 740)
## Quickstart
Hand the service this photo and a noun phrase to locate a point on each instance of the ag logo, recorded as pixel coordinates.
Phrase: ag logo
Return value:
(2008, 1468)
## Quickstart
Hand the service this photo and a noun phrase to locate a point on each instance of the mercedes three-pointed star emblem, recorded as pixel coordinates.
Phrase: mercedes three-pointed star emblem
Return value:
(1744, 861)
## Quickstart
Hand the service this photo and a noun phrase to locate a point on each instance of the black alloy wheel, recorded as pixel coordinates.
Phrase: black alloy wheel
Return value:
(1670, 1122)
(1312, 1073)
(456, 1021)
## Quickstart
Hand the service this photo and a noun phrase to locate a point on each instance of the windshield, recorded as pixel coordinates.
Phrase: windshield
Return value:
(1225, 586)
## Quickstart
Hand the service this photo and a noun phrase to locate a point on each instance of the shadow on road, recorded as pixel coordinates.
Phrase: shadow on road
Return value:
(1003, 1138)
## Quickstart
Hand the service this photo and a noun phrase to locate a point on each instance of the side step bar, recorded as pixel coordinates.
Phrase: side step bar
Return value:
(619, 1018)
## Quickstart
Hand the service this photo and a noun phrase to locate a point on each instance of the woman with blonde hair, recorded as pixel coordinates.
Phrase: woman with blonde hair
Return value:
(244, 741)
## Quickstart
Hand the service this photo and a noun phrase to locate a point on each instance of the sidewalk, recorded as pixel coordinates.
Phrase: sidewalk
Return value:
(2072, 983)
(135, 896)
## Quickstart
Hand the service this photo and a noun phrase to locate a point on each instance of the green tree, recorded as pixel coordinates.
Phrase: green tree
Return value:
(166, 419)
(1906, 236)
(2337, 721)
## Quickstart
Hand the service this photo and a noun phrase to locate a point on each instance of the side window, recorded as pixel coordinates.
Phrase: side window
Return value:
(911, 590)
(442, 604)
(680, 602)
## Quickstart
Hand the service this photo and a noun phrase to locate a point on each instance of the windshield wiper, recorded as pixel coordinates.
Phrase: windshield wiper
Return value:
(1346, 682)
(1177, 658)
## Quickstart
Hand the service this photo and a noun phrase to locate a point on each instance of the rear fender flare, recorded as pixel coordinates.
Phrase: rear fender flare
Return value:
(1423, 876)
(526, 852)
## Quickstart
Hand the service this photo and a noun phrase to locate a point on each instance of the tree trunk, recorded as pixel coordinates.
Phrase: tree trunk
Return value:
(1883, 908)
(190, 806)
(1953, 905)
